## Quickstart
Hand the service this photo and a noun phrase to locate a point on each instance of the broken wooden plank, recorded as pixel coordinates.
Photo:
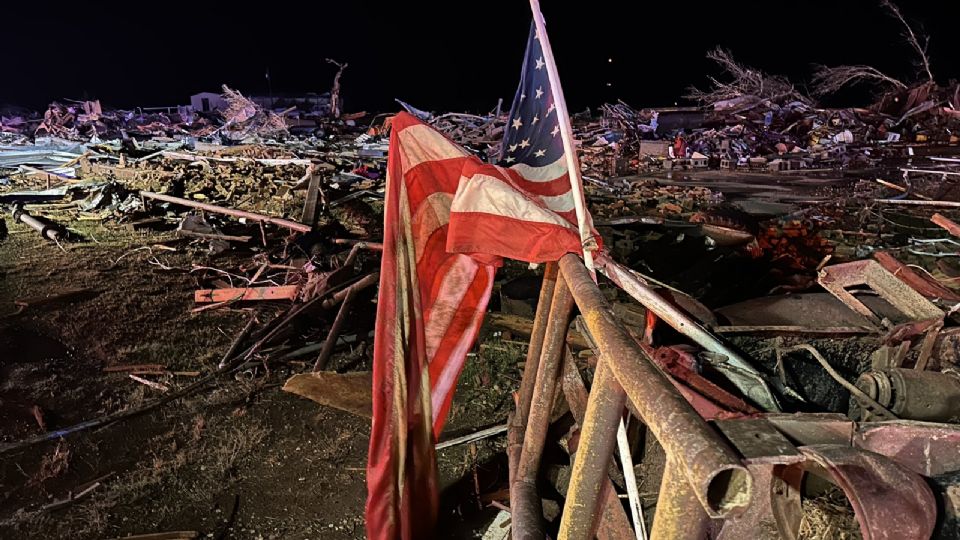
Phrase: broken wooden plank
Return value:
(151, 384)
(482, 434)
(283, 292)
(309, 216)
(951, 226)
(350, 392)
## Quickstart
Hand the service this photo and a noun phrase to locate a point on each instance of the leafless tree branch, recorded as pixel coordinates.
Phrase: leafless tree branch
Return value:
(745, 81)
(335, 91)
(827, 80)
(911, 37)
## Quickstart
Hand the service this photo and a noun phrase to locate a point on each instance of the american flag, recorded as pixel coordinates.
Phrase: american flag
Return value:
(532, 135)
(449, 220)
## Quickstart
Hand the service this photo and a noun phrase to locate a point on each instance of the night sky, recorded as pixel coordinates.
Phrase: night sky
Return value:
(440, 55)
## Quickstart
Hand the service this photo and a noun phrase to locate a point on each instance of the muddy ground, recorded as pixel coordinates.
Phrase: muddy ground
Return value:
(239, 459)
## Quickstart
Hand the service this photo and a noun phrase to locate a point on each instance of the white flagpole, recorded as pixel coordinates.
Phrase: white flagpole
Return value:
(586, 238)
(566, 134)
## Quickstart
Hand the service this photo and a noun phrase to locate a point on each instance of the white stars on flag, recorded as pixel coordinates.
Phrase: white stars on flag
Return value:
(517, 124)
(540, 153)
(540, 63)
(536, 119)
(539, 92)
(524, 143)
(556, 129)
(551, 108)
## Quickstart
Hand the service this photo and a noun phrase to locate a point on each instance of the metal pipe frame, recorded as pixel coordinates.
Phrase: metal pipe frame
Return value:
(524, 504)
(544, 388)
(743, 375)
(716, 476)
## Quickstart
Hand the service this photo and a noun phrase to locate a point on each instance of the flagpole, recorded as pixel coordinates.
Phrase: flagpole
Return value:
(566, 134)
(586, 238)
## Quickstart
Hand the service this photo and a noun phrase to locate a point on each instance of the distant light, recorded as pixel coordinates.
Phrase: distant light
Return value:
(610, 60)
(609, 84)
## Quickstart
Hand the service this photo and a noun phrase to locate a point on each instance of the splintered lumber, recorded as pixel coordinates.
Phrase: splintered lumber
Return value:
(947, 223)
(476, 436)
(350, 392)
(148, 382)
(282, 292)
(280, 222)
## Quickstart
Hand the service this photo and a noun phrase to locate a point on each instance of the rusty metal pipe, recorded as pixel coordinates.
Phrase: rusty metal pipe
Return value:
(518, 420)
(613, 523)
(720, 481)
(544, 389)
(280, 222)
(746, 377)
(538, 414)
(679, 515)
(362, 283)
(536, 342)
(328, 344)
(598, 436)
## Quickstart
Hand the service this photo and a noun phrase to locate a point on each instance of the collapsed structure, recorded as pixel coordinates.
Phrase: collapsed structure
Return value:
(791, 228)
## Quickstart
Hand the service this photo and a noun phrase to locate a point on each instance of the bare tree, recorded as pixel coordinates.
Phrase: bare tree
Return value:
(911, 38)
(827, 80)
(745, 81)
(335, 91)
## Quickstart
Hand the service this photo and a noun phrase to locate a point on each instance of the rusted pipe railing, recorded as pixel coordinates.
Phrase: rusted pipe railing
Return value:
(598, 436)
(280, 222)
(524, 501)
(527, 504)
(744, 376)
(718, 479)
(679, 515)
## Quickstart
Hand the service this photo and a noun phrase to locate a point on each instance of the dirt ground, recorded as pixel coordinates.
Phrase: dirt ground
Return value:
(238, 459)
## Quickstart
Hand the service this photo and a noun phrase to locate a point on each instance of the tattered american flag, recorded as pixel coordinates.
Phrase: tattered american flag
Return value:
(449, 219)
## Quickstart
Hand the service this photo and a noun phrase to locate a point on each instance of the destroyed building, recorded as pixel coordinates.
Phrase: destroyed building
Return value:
(277, 317)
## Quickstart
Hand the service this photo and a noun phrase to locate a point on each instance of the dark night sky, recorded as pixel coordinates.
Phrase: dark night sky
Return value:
(438, 55)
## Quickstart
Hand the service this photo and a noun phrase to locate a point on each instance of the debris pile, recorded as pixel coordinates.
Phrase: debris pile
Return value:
(761, 289)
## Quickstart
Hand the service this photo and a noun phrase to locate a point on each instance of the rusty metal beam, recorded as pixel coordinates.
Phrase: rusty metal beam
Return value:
(720, 481)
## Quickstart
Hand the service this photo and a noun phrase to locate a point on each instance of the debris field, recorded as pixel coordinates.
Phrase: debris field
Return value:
(188, 304)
